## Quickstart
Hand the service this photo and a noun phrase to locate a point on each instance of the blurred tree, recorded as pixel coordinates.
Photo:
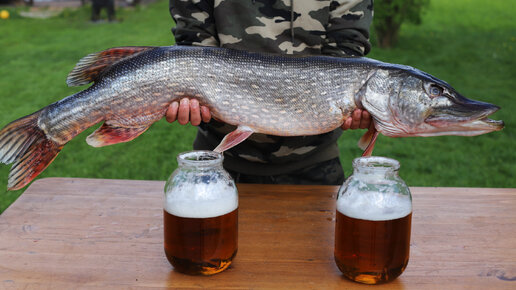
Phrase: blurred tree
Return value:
(390, 14)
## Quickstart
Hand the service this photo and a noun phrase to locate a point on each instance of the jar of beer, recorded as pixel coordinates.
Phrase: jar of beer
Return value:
(372, 230)
(200, 214)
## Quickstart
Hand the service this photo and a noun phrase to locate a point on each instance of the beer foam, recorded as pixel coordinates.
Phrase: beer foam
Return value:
(367, 206)
(209, 200)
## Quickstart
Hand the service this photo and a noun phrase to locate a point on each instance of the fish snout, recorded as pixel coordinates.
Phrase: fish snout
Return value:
(461, 110)
(466, 117)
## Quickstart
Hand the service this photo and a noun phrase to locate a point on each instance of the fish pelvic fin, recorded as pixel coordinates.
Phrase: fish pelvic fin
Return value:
(368, 140)
(23, 143)
(109, 134)
(234, 138)
(90, 67)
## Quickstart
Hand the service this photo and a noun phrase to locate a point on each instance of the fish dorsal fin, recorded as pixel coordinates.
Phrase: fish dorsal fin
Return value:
(91, 66)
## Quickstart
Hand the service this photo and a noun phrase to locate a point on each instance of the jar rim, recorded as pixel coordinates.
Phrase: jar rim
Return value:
(376, 162)
(200, 158)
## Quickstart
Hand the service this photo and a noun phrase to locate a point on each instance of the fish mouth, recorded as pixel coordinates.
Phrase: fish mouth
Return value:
(482, 126)
(466, 122)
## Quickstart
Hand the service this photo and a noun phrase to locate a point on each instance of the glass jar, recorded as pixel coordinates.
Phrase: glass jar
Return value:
(200, 214)
(373, 222)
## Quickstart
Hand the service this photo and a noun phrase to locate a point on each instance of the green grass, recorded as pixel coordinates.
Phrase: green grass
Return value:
(470, 44)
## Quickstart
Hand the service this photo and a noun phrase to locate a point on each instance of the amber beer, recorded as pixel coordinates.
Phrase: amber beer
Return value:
(372, 251)
(200, 217)
(201, 245)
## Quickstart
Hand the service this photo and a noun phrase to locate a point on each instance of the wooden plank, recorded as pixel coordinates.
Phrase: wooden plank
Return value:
(91, 233)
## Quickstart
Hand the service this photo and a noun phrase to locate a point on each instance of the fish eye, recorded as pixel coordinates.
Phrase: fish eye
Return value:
(435, 91)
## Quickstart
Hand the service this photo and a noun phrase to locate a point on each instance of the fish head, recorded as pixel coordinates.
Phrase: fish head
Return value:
(408, 102)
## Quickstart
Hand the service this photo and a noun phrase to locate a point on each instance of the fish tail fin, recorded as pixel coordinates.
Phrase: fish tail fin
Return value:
(23, 143)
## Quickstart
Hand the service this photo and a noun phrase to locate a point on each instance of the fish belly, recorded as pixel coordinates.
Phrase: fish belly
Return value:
(270, 94)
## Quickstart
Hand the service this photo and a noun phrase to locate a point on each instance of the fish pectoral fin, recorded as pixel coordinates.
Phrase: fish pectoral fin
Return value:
(109, 134)
(366, 138)
(90, 67)
(234, 138)
(368, 141)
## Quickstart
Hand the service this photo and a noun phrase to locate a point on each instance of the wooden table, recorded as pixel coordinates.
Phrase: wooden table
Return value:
(68, 233)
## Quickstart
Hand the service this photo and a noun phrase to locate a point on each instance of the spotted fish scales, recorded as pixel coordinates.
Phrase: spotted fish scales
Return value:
(259, 93)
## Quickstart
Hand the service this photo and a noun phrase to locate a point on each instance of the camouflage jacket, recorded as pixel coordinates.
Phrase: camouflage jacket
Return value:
(336, 27)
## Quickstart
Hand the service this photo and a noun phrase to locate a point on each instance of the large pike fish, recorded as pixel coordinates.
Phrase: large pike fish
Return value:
(259, 93)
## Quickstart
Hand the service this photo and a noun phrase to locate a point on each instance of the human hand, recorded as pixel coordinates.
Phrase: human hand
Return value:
(359, 119)
(186, 111)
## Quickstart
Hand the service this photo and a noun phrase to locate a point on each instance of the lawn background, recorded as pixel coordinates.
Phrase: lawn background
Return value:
(469, 43)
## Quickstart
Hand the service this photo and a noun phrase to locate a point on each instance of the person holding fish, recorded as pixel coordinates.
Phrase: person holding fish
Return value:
(277, 95)
(335, 28)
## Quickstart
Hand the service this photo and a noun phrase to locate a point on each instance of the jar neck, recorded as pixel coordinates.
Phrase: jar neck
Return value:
(374, 165)
(200, 159)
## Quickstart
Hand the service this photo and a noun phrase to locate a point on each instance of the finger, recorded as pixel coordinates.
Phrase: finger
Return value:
(205, 114)
(171, 114)
(183, 115)
(355, 124)
(347, 123)
(195, 112)
(365, 120)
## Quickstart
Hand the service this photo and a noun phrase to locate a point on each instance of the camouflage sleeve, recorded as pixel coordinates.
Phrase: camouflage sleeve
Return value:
(348, 28)
(195, 22)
